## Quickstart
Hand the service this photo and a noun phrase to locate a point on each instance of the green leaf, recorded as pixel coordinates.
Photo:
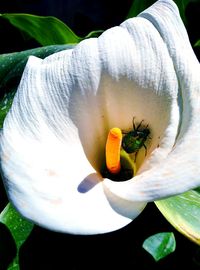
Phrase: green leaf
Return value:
(11, 69)
(47, 30)
(197, 44)
(12, 64)
(5, 105)
(94, 34)
(19, 227)
(160, 245)
(14, 265)
(183, 212)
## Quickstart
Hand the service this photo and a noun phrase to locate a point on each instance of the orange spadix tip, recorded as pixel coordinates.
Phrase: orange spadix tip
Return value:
(113, 146)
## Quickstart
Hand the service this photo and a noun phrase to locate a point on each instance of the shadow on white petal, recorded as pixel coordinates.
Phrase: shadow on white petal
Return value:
(89, 182)
(123, 207)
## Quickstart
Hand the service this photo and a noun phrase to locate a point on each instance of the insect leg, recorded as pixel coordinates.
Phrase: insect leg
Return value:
(139, 125)
(135, 156)
(145, 149)
(134, 127)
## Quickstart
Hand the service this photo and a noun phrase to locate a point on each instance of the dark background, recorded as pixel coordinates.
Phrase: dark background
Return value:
(117, 250)
(82, 16)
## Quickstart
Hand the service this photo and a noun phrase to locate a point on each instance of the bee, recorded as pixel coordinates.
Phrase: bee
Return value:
(135, 139)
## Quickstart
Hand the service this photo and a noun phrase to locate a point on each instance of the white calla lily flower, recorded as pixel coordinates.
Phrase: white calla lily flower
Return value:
(53, 138)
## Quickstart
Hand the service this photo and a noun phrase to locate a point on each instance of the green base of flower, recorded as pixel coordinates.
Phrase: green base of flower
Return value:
(128, 169)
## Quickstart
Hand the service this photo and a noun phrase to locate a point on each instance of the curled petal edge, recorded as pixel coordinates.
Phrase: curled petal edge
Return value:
(180, 170)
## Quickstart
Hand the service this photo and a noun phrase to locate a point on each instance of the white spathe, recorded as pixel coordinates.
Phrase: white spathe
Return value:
(53, 139)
